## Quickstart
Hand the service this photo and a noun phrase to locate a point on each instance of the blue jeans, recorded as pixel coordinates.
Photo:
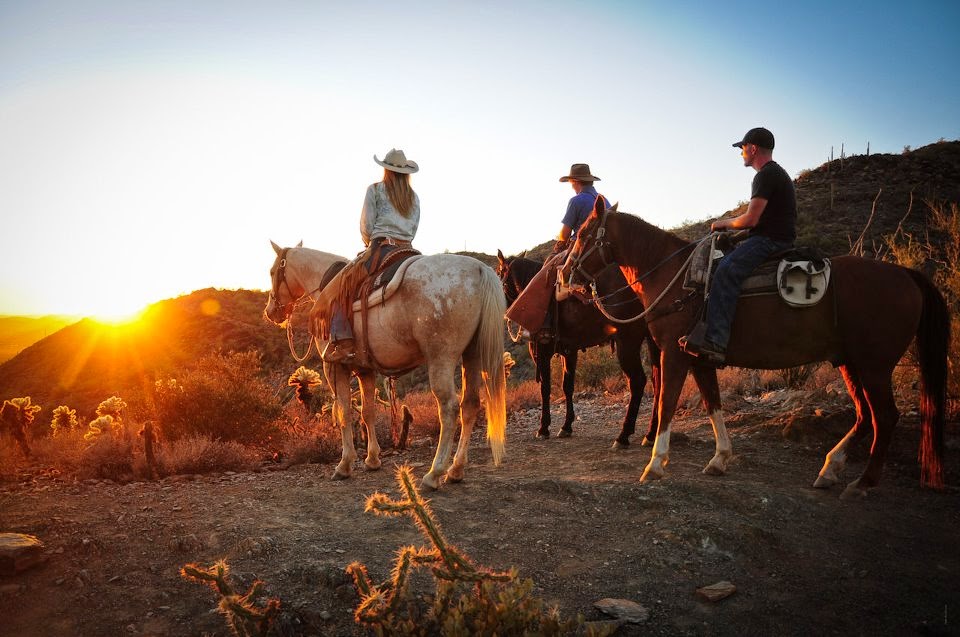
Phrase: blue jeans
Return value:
(340, 328)
(732, 270)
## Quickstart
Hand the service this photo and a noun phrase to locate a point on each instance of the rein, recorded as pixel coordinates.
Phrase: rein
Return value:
(602, 246)
(291, 306)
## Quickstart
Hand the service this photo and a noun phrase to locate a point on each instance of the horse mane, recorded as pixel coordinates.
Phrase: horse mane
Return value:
(645, 238)
(524, 269)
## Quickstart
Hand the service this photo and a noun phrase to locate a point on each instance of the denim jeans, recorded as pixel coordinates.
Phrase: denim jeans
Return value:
(732, 270)
(340, 327)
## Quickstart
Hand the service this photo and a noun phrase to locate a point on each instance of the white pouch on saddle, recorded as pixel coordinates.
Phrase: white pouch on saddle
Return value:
(803, 283)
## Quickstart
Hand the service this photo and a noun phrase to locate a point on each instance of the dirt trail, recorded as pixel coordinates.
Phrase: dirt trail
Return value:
(570, 514)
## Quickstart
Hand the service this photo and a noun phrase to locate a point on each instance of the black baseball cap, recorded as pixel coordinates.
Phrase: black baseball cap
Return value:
(759, 136)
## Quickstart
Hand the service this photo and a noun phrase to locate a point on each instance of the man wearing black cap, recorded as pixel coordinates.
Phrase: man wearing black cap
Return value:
(771, 218)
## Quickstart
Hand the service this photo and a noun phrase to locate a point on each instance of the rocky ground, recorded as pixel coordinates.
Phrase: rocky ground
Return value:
(569, 513)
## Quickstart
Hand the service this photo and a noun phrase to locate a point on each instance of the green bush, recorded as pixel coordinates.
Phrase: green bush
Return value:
(223, 397)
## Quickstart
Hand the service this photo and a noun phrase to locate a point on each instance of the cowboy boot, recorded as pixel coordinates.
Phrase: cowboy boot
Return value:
(339, 351)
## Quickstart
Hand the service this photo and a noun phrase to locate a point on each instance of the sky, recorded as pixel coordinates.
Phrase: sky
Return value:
(149, 149)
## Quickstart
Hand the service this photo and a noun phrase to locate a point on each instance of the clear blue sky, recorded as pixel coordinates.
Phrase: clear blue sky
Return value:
(149, 148)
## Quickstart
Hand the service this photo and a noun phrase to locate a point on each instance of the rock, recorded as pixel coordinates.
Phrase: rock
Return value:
(623, 609)
(716, 592)
(19, 552)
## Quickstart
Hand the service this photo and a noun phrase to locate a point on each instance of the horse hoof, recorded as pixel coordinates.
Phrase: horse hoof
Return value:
(543, 435)
(617, 444)
(650, 475)
(713, 470)
(565, 433)
(371, 466)
(647, 441)
(430, 482)
(853, 490)
(823, 483)
(339, 475)
(455, 475)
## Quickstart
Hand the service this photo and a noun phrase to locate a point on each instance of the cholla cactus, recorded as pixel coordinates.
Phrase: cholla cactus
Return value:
(242, 615)
(508, 363)
(112, 406)
(304, 380)
(15, 416)
(64, 419)
(103, 425)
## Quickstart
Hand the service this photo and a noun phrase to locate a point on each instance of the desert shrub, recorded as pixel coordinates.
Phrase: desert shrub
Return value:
(107, 456)
(202, 454)
(426, 416)
(524, 395)
(223, 398)
(314, 440)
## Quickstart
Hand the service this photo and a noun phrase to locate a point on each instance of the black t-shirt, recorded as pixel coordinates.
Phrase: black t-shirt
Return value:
(779, 218)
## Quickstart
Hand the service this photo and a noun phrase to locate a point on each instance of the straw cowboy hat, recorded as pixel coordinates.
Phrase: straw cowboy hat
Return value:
(580, 172)
(396, 161)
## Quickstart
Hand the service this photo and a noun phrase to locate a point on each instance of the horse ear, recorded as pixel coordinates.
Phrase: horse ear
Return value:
(276, 248)
(599, 206)
(499, 256)
(300, 245)
(613, 208)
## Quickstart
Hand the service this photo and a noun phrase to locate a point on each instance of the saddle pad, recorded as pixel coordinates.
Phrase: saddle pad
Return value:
(386, 283)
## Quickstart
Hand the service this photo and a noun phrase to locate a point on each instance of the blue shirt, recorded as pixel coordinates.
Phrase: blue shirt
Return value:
(580, 207)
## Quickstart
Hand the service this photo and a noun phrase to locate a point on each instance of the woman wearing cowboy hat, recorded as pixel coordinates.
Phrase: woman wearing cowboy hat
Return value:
(388, 221)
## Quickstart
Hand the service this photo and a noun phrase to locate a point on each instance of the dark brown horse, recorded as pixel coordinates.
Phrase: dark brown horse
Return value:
(580, 326)
(870, 315)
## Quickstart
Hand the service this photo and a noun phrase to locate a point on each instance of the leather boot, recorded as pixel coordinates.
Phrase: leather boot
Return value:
(339, 351)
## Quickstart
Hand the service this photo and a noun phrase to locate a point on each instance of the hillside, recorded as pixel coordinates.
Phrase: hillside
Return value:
(19, 332)
(84, 363)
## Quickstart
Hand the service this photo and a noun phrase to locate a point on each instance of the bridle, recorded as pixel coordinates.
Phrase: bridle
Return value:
(288, 308)
(280, 277)
(511, 290)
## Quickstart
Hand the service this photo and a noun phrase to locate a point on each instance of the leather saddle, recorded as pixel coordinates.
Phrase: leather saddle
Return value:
(800, 276)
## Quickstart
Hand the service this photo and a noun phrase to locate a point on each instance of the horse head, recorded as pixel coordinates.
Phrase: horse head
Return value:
(283, 294)
(590, 253)
(515, 273)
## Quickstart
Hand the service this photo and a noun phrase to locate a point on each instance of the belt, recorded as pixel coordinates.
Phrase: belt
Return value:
(390, 241)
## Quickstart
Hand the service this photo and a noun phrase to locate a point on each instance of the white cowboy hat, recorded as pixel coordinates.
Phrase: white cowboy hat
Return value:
(396, 161)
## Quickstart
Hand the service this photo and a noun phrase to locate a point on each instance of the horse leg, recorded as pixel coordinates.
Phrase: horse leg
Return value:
(469, 408)
(339, 379)
(632, 367)
(445, 391)
(541, 358)
(878, 389)
(675, 366)
(836, 459)
(569, 375)
(706, 379)
(368, 415)
(655, 379)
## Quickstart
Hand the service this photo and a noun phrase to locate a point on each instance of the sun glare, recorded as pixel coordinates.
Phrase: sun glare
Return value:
(118, 317)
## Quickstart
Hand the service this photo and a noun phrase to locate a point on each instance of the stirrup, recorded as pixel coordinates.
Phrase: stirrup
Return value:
(338, 351)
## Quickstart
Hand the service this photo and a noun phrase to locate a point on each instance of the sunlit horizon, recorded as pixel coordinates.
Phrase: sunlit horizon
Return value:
(151, 150)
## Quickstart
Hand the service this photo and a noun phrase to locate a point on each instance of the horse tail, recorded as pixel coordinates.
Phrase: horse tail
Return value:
(933, 342)
(489, 340)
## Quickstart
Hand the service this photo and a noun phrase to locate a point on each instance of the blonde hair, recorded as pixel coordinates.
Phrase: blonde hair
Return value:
(399, 191)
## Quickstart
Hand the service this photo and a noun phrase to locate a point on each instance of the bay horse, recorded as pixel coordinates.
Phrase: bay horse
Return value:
(871, 313)
(447, 308)
(581, 326)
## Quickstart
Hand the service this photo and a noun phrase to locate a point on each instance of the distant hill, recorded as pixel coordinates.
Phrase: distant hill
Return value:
(86, 362)
(19, 332)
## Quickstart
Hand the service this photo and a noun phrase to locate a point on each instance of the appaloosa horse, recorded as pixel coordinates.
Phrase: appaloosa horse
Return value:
(580, 326)
(447, 308)
(871, 313)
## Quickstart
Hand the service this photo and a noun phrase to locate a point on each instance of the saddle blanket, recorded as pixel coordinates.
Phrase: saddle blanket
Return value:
(386, 282)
